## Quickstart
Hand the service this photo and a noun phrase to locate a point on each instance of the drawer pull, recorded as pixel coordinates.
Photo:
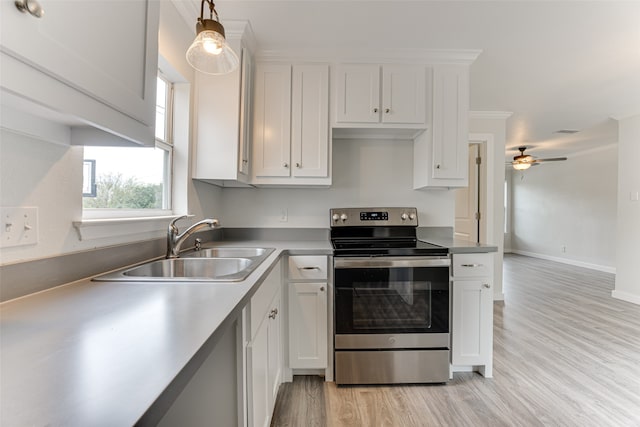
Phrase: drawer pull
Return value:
(321, 288)
(471, 265)
(308, 268)
(273, 313)
(486, 286)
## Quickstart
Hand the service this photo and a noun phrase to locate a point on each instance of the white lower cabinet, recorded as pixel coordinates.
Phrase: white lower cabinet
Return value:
(472, 313)
(308, 325)
(264, 350)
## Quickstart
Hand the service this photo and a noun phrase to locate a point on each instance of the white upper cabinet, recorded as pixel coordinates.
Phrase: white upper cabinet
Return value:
(358, 94)
(223, 116)
(94, 62)
(272, 121)
(441, 153)
(291, 143)
(310, 121)
(387, 94)
(450, 122)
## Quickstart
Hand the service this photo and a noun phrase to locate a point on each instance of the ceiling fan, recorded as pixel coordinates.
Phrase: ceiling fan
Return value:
(525, 161)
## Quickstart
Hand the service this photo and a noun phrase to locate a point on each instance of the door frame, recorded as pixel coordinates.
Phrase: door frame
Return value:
(487, 191)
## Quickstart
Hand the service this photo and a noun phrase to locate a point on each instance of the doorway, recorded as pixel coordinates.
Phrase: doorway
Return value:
(470, 208)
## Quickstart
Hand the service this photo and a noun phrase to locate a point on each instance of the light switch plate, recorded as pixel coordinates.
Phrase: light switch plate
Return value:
(18, 226)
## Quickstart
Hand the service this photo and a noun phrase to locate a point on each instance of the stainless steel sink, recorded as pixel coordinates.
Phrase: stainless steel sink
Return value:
(224, 252)
(213, 264)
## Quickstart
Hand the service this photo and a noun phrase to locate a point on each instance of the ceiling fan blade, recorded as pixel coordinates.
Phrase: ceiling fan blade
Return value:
(553, 159)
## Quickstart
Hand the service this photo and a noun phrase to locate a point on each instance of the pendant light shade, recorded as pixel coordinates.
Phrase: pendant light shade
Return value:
(209, 52)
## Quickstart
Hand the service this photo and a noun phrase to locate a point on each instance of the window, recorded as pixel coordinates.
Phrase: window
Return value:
(132, 181)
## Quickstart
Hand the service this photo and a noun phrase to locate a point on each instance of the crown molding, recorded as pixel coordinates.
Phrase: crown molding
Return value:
(368, 55)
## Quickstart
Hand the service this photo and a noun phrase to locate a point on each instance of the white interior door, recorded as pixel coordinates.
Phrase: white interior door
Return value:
(467, 222)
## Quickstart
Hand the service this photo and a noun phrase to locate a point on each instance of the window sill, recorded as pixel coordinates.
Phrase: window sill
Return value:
(138, 227)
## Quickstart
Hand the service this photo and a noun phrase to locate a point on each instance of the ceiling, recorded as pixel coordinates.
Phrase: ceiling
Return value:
(557, 65)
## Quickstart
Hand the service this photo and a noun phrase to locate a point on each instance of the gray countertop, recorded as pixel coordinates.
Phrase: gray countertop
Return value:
(101, 353)
(457, 246)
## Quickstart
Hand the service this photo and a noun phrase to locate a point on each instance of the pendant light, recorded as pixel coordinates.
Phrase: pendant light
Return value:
(209, 52)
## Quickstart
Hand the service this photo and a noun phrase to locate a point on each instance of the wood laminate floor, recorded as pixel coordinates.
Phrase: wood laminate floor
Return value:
(565, 354)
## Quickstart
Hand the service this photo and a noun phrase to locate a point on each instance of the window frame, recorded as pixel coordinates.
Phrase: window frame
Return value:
(166, 145)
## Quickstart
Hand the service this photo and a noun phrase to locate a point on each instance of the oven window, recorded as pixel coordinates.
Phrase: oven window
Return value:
(392, 300)
(400, 305)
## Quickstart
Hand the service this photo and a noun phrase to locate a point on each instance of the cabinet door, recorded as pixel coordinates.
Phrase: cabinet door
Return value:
(310, 121)
(472, 314)
(358, 94)
(272, 121)
(218, 124)
(450, 116)
(308, 325)
(258, 390)
(274, 351)
(106, 50)
(403, 94)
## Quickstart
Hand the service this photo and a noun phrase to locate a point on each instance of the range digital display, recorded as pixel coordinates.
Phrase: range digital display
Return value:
(374, 216)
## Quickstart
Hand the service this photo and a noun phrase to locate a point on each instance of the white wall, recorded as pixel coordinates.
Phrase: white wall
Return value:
(365, 173)
(627, 286)
(39, 173)
(568, 204)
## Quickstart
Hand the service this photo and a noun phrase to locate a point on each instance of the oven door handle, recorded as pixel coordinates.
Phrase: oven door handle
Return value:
(390, 262)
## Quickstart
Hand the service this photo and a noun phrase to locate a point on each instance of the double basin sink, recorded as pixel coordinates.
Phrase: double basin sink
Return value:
(221, 264)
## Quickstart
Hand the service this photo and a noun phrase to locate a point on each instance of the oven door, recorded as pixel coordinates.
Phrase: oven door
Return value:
(391, 295)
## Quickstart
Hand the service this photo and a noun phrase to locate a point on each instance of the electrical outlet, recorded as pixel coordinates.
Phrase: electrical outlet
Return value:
(634, 196)
(284, 215)
(18, 226)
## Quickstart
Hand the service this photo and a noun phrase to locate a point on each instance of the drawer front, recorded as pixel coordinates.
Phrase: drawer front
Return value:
(472, 265)
(302, 267)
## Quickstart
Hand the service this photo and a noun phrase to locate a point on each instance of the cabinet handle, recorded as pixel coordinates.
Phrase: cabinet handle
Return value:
(471, 265)
(387, 110)
(308, 268)
(30, 6)
(486, 285)
(286, 165)
(375, 110)
(298, 165)
(245, 161)
(437, 166)
(273, 313)
(321, 288)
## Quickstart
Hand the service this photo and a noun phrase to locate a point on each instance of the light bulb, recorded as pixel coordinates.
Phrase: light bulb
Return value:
(211, 44)
(210, 53)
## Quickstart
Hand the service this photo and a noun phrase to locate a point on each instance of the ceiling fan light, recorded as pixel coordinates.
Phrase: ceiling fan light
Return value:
(520, 166)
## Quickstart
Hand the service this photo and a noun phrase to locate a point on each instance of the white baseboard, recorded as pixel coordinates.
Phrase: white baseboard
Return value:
(597, 267)
(626, 296)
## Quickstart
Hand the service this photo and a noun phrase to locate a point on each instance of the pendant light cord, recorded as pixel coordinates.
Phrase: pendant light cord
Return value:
(212, 10)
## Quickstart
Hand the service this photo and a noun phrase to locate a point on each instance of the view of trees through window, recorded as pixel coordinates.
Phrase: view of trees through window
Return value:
(131, 177)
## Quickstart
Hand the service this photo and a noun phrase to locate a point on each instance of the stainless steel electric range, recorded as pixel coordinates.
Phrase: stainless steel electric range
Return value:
(391, 299)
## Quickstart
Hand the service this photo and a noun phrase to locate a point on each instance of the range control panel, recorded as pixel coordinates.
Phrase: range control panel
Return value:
(371, 217)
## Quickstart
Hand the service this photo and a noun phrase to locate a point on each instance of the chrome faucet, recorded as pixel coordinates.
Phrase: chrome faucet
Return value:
(175, 240)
